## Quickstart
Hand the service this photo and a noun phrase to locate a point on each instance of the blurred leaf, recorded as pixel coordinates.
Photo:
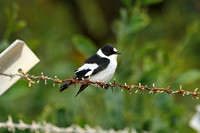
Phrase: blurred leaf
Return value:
(19, 25)
(137, 22)
(3, 45)
(47, 110)
(13, 24)
(17, 92)
(193, 28)
(151, 2)
(124, 15)
(127, 2)
(189, 77)
(131, 23)
(84, 45)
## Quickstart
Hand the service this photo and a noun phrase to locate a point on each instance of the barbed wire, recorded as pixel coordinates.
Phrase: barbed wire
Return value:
(50, 128)
(36, 79)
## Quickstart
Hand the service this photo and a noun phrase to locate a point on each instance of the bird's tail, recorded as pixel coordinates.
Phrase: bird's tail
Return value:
(81, 89)
(66, 85)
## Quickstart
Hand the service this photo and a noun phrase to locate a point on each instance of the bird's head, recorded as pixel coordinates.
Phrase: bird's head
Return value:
(108, 51)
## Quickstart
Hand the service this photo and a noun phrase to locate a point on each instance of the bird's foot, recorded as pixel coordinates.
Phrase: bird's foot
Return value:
(105, 86)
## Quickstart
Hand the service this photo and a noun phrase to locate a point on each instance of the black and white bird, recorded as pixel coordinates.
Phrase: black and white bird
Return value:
(99, 67)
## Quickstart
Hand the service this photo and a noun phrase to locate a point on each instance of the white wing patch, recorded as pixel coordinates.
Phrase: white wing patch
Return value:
(86, 66)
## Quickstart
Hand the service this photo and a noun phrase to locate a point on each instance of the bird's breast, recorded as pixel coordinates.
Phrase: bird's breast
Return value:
(106, 74)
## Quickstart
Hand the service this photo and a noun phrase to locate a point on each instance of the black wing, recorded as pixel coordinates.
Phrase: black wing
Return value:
(95, 59)
(100, 61)
(81, 74)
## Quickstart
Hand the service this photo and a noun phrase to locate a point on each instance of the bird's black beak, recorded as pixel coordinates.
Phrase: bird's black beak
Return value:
(119, 53)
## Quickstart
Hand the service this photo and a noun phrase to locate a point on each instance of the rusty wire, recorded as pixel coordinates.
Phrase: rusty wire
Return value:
(32, 79)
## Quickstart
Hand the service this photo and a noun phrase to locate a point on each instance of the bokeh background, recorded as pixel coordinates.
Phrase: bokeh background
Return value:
(160, 43)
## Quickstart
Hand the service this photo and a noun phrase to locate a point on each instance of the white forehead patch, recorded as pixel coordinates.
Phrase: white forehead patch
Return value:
(115, 50)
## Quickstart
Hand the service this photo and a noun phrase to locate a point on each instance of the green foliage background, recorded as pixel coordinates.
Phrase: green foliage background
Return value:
(160, 43)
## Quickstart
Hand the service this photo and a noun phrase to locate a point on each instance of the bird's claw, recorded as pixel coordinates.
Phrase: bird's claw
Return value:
(105, 86)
